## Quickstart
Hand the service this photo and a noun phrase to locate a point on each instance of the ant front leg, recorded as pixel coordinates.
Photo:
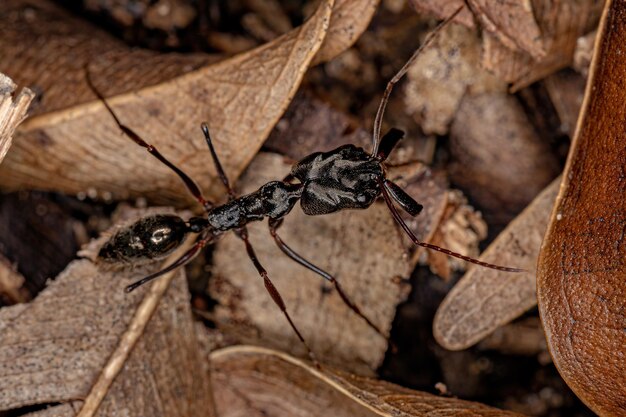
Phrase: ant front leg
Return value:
(272, 290)
(217, 163)
(294, 256)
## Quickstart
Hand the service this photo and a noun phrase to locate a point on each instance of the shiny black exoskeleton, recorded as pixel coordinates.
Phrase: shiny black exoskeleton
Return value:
(149, 238)
(344, 178)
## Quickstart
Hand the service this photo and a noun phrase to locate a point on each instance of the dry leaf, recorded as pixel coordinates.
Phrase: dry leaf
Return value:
(443, 74)
(498, 157)
(360, 247)
(252, 381)
(348, 21)
(73, 145)
(560, 23)
(512, 23)
(12, 111)
(580, 279)
(485, 299)
(445, 8)
(84, 340)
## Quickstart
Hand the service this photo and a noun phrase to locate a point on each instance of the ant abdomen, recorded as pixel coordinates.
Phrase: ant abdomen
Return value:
(149, 238)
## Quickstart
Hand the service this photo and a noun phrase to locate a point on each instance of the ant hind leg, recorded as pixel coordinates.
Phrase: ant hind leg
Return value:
(294, 256)
(273, 291)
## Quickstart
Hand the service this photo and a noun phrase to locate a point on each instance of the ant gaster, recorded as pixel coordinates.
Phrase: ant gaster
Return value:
(324, 182)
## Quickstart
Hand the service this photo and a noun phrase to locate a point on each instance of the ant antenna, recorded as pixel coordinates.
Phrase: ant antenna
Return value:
(405, 227)
(378, 121)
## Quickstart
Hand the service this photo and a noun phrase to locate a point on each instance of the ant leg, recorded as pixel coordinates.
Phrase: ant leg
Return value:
(189, 183)
(415, 240)
(378, 121)
(272, 290)
(218, 165)
(185, 258)
(293, 255)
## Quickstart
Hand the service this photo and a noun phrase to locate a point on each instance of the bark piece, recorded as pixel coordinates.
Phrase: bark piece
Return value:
(12, 111)
(439, 79)
(498, 157)
(361, 247)
(485, 299)
(73, 145)
(580, 278)
(252, 381)
(84, 338)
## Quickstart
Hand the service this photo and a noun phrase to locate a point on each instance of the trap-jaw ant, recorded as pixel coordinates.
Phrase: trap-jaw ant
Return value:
(324, 182)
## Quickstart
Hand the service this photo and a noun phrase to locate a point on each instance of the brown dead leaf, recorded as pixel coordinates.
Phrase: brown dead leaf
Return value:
(560, 24)
(445, 8)
(12, 111)
(485, 299)
(84, 340)
(348, 21)
(442, 75)
(580, 279)
(252, 381)
(566, 90)
(73, 145)
(362, 249)
(512, 23)
(497, 156)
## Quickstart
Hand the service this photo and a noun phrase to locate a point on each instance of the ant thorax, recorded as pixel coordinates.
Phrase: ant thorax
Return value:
(344, 178)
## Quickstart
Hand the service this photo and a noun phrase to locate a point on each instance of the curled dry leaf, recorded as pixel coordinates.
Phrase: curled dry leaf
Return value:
(252, 381)
(485, 299)
(443, 74)
(12, 111)
(348, 21)
(73, 145)
(580, 279)
(84, 341)
(360, 247)
(513, 23)
(561, 23)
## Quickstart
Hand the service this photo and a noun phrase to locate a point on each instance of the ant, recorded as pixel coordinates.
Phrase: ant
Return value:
(347, 177)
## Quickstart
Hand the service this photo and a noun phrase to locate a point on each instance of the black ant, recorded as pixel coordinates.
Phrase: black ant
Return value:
(324, 182)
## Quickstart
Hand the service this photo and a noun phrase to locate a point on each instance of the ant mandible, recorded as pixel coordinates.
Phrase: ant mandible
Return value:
(324, 182)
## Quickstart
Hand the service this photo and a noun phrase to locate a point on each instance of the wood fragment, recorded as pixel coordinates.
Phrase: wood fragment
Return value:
(12, 111)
